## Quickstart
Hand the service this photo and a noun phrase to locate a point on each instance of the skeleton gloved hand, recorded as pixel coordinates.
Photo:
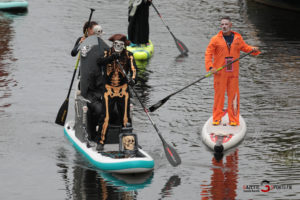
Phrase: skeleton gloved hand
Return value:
(115, 55)
(131, 82)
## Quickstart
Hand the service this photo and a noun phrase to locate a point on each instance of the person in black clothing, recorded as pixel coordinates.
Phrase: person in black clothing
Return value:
(91, 82)
(116, 92)
(90, 31)
(138, 16)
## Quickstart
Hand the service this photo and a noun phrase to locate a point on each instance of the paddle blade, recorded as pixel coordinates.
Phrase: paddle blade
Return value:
(171, 155)
(158, 104)
(181, 47)
(62, 113)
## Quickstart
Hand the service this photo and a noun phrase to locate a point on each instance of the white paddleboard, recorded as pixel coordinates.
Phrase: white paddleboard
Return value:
(222, 137)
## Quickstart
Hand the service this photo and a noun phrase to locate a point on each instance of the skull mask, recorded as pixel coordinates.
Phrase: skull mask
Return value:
(128, 142)
(118, 46)
(98, 30)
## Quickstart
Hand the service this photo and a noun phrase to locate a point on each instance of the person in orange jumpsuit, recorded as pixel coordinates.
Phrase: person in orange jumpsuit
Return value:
(222, 49)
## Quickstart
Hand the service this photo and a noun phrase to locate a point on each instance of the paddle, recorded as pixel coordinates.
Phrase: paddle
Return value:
(164, 100)
(170, 152)
(181, 47)
(63, 111)
(173, 182)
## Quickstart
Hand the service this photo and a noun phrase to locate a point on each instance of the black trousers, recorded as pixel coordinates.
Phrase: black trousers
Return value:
(116, 103)
(94, 117)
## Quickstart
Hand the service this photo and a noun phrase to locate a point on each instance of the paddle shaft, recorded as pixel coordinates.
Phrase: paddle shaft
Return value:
(162, 20)
(63, 111)
(74, 73)
(172, 155)
(148, 115)
(210, 73)
(139, 99)
(182, 48)
(154, 107)
(220, 68)
(89, 22)
(78, 58)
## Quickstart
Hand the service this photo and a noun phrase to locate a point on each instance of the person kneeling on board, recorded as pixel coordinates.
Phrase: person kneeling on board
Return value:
(91, 82)
(116, 92)
(222, 49)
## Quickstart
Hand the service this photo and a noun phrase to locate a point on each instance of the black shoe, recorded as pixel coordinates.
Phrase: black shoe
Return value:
(100, 147)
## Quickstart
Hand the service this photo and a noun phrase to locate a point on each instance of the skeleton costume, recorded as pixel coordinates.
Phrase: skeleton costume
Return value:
(116, 95)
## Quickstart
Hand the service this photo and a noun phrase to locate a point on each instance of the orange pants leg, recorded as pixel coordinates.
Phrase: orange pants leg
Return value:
(219, 97)
(233, 99)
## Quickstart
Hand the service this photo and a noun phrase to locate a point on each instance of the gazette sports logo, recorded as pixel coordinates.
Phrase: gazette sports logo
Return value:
(265, 186)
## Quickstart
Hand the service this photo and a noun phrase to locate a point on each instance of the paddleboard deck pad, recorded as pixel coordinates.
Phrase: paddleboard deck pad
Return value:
(222, 137)
(110, 159)
(143, 52)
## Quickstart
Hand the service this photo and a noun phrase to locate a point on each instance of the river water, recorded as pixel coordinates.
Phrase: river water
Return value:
(37, 160)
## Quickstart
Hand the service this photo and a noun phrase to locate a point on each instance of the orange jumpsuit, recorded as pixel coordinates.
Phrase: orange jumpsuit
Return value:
(226, 81)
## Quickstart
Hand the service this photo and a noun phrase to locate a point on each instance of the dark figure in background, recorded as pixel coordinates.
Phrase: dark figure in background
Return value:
(138, 16)
(90, 31)
(116, 93)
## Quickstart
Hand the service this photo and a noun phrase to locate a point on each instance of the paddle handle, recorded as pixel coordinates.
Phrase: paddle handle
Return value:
(89, 22)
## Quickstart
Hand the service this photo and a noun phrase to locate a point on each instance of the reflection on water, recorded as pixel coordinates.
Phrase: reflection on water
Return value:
(128, 182)
(5, 55)
(276, 28)
(224, 178)
(87, 183)
(277, 75)
(82, 182)
(142, 78)
(173, 182)
(142, 88)
(272, 23)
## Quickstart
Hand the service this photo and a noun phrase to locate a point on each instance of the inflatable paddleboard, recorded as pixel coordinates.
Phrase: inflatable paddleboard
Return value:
(110, 159)
(143, 52)
(121, 152)
(10, 5)
(222, 137)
